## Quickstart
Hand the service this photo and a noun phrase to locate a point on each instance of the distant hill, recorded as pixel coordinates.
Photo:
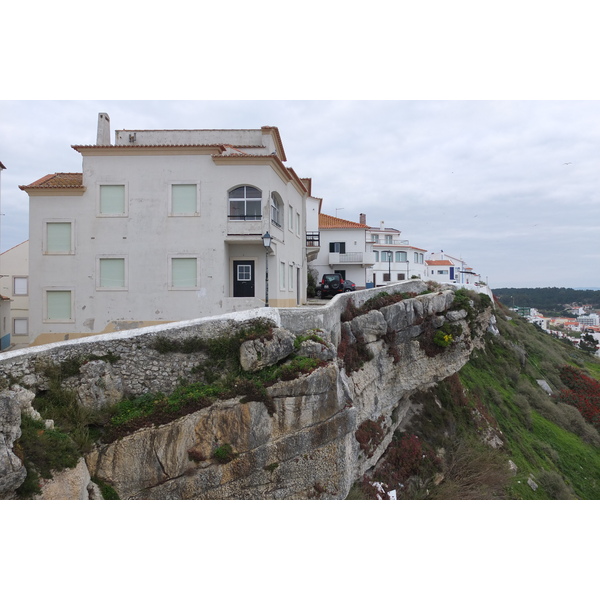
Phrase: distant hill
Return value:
(549, 299)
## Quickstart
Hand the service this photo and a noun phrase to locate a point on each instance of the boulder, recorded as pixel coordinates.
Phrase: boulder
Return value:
(261, 353)
(99, 385)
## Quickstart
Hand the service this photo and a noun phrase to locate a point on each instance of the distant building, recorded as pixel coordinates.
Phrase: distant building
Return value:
(444, 268)
(591, 320)
(14, 284)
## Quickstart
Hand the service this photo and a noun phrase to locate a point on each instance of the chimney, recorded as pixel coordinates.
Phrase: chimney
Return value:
(363, 219)
(382, 226)
(103, 137)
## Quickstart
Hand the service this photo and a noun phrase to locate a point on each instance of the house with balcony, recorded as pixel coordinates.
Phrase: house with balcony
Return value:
(165, 225)
(444, 268)
(395, 258)
(344, 249)
(14, 286)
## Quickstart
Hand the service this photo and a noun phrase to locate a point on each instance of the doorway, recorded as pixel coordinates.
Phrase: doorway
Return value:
(243, 278)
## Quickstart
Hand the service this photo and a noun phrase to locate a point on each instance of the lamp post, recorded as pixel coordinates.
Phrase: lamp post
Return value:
(267, 244)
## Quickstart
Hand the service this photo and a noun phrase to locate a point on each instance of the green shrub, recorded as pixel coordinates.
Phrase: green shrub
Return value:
(224, 454)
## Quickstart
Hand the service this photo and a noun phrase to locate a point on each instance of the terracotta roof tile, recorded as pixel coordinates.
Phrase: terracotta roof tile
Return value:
(329, 222)
(57, 180)
(440, 263)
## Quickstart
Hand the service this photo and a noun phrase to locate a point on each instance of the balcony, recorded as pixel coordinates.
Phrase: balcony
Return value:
(313, 245)
(245, 225)
(365, 259)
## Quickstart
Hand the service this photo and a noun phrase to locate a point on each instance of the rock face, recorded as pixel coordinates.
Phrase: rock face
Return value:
(12, 471)
(299, 443)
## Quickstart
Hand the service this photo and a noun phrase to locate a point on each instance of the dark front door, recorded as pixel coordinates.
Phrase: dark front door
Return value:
(243, 278)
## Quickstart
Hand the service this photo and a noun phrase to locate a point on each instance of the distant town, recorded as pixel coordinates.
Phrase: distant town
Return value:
(573, 329)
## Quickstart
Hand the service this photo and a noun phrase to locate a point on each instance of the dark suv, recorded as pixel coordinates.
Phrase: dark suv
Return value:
(331, 284)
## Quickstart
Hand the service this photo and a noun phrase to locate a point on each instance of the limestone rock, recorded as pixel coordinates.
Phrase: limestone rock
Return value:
(12, 470)
(370, 326)
(25, 399)
(99, 386)
(257, 354)
(318, 350)
(70, 484)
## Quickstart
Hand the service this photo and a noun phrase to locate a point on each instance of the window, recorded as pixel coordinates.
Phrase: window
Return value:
(244, 273)
(337, 247)
(20, 286)
(184, 273)
(401, 276)
(245, 204)
(276, 210)
(111, 273)
(59, 238)
(298, 223)
(376, 253)
(375, 238)
(291, 279)
(112, 200)
(443, 272)
(21, 326)
(386, 277)
(421, 258)
(387, 256)
(388, 239)
(290, 218)
(59, 305)
(282, 276)
(401, 256)
(184, 199)
(416, 257)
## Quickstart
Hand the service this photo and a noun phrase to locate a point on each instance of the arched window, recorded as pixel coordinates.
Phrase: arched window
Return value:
(276, 209)
(401, 256)
(245, 204)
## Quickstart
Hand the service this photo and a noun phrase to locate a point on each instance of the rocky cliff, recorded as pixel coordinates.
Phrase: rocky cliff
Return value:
(309, 433)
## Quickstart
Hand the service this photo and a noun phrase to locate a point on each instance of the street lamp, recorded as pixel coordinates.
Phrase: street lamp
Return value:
(267, 244)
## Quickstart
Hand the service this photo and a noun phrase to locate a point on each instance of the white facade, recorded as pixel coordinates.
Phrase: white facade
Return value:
(395, 259)
(165, 226)
(444, 268)
(344, 250)
(14, 284)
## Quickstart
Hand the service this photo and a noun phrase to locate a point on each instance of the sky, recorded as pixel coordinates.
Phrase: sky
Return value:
(510, 186)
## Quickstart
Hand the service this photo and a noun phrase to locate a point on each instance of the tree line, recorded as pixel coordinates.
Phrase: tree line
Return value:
(549, 299)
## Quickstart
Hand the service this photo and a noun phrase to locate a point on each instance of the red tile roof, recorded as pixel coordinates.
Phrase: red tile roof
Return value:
(439, 263)
(329, 222)
(56, 180)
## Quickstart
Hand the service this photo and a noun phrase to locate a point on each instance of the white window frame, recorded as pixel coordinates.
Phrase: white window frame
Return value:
(47, 319)
(298, 224)
(14, 288)
(46, 250)
(400, 259)
(15, 319)
(245, 199)
(290, 217)
(125, 212)
(277, 210)
(196, 211)
(170, 285)
(291, 277)
(99, 286)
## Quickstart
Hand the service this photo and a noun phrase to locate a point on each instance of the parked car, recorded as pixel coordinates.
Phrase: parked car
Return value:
(349, 286)
(331, 284)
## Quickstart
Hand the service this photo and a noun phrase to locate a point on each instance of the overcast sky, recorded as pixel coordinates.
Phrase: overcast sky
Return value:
(512, 187)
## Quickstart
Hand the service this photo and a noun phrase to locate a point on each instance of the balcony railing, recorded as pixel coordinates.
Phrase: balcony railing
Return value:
(356, 258)
(313, 239)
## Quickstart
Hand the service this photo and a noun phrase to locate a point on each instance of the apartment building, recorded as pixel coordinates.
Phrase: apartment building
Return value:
(165, 225)
(14, 286)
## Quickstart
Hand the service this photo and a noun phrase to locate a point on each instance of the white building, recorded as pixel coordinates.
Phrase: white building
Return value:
(445, 268)
(591, 320)
(165, 226)
(14, 284)
(395, 259)
(344, 249)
